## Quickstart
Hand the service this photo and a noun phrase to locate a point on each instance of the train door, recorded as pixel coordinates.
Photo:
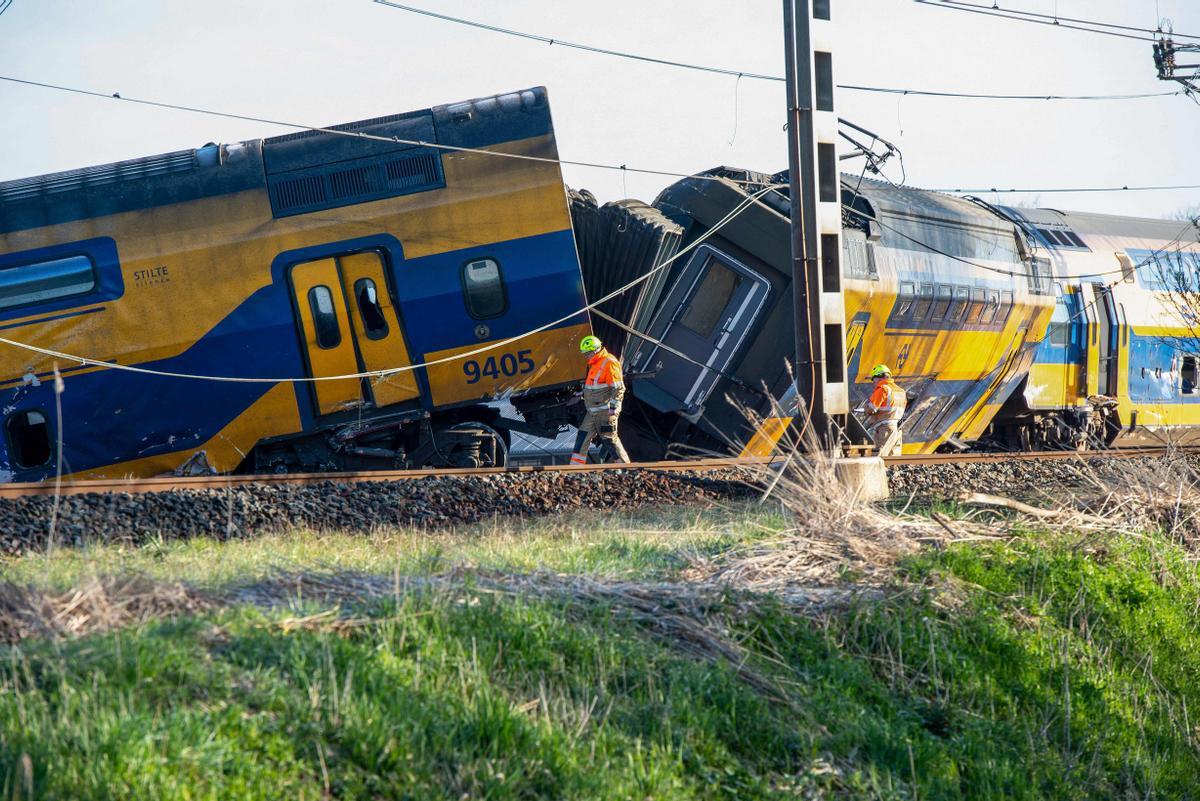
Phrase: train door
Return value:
(377, 328)
(712, 307)
(1090, 384)
(1073, 337)
(324, 320)
(349, 326)
(1106, 342)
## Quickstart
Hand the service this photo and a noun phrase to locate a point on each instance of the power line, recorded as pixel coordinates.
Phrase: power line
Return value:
(379, 375)
(452, 148)
(352, 134)
(981, 96)
(576, 45)
(743, 73)
(1012, 273)
(1057, 19)
(994, 191)
(1020, 16)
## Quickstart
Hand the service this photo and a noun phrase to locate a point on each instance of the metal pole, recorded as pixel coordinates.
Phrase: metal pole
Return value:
(806, 273)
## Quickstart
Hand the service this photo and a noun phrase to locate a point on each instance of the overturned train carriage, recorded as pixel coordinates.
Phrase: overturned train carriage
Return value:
(956, 296)
(310, 255)
(936, 287)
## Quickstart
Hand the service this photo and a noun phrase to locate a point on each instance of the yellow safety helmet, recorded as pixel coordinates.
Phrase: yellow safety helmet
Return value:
(880, 370)
(589, 344)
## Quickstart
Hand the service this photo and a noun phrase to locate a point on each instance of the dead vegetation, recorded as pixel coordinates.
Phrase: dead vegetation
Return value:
(96, 605)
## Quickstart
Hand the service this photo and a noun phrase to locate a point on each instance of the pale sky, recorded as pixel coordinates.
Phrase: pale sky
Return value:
(328, 62)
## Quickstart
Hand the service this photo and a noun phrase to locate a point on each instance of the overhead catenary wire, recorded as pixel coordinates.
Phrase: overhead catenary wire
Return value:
(384, 373)
(1055, 19)
(1017, 16)
(998, 270)
(559, 42)
(1066, 190)
(624, 168)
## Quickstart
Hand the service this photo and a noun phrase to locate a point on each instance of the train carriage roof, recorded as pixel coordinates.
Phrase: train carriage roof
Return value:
(1082, 222)
(919, 204)
(212, 170)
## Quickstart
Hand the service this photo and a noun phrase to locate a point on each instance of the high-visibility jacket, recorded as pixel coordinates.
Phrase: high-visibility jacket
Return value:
(887, 402)
(603, 382)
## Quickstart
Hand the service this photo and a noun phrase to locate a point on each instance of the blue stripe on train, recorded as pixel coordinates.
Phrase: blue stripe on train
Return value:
(112, 416)
(541, 277)
(1151, 359)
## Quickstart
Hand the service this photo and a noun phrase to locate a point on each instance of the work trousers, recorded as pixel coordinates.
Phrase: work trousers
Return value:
(888, 437)
(599, 424)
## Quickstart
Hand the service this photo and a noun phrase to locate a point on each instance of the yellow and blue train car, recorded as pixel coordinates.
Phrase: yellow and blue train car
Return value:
(940, 289)
(943, 291)
(1009, 329)
(224, 273)
(1119, 365)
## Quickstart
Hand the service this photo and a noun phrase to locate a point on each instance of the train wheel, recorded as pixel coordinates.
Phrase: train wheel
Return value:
(474, 444)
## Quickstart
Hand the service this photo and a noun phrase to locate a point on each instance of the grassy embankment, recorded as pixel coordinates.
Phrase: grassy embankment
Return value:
(1047, 665)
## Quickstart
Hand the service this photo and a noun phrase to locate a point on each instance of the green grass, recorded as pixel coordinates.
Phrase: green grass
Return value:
(646, 543)
(1051, 667)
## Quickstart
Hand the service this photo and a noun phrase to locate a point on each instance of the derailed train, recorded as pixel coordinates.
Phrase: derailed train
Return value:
(360, 297)
(1009, 328)
(221, 274)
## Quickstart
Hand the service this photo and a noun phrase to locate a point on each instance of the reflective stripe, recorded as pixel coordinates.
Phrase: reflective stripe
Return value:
(577, 459)
(603, 370)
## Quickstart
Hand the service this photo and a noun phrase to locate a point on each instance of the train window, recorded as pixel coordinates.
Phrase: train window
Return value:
(46, 280)
(872, 269)
(856, 257)
(29, 437)
(320, 302)
(904, 302)
(483, 288)
(1039, 276)
(945, 296)
(924, 302)
(1074, 237)
(991, 306)
(978, 305)
(1060, 334)
(374, 323)
(1127, 269)
(958, 308)
(710, 299)
(1188, 375)
(1006, 306)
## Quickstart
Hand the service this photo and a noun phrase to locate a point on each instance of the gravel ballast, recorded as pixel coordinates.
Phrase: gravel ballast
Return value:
(1048, 480)
(433, 502)
(439, 502)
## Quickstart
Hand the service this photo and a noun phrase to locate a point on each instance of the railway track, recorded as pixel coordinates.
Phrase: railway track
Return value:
(170, 483)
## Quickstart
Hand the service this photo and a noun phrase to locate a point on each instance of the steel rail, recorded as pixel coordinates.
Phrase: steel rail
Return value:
(216, 482)
(1035, 456)
(135, 486)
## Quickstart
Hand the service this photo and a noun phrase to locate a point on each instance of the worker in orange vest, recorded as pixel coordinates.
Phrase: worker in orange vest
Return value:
(603, 389)
(885, 409)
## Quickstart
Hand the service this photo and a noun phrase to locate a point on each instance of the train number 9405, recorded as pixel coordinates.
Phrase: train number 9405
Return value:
(506, 364)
